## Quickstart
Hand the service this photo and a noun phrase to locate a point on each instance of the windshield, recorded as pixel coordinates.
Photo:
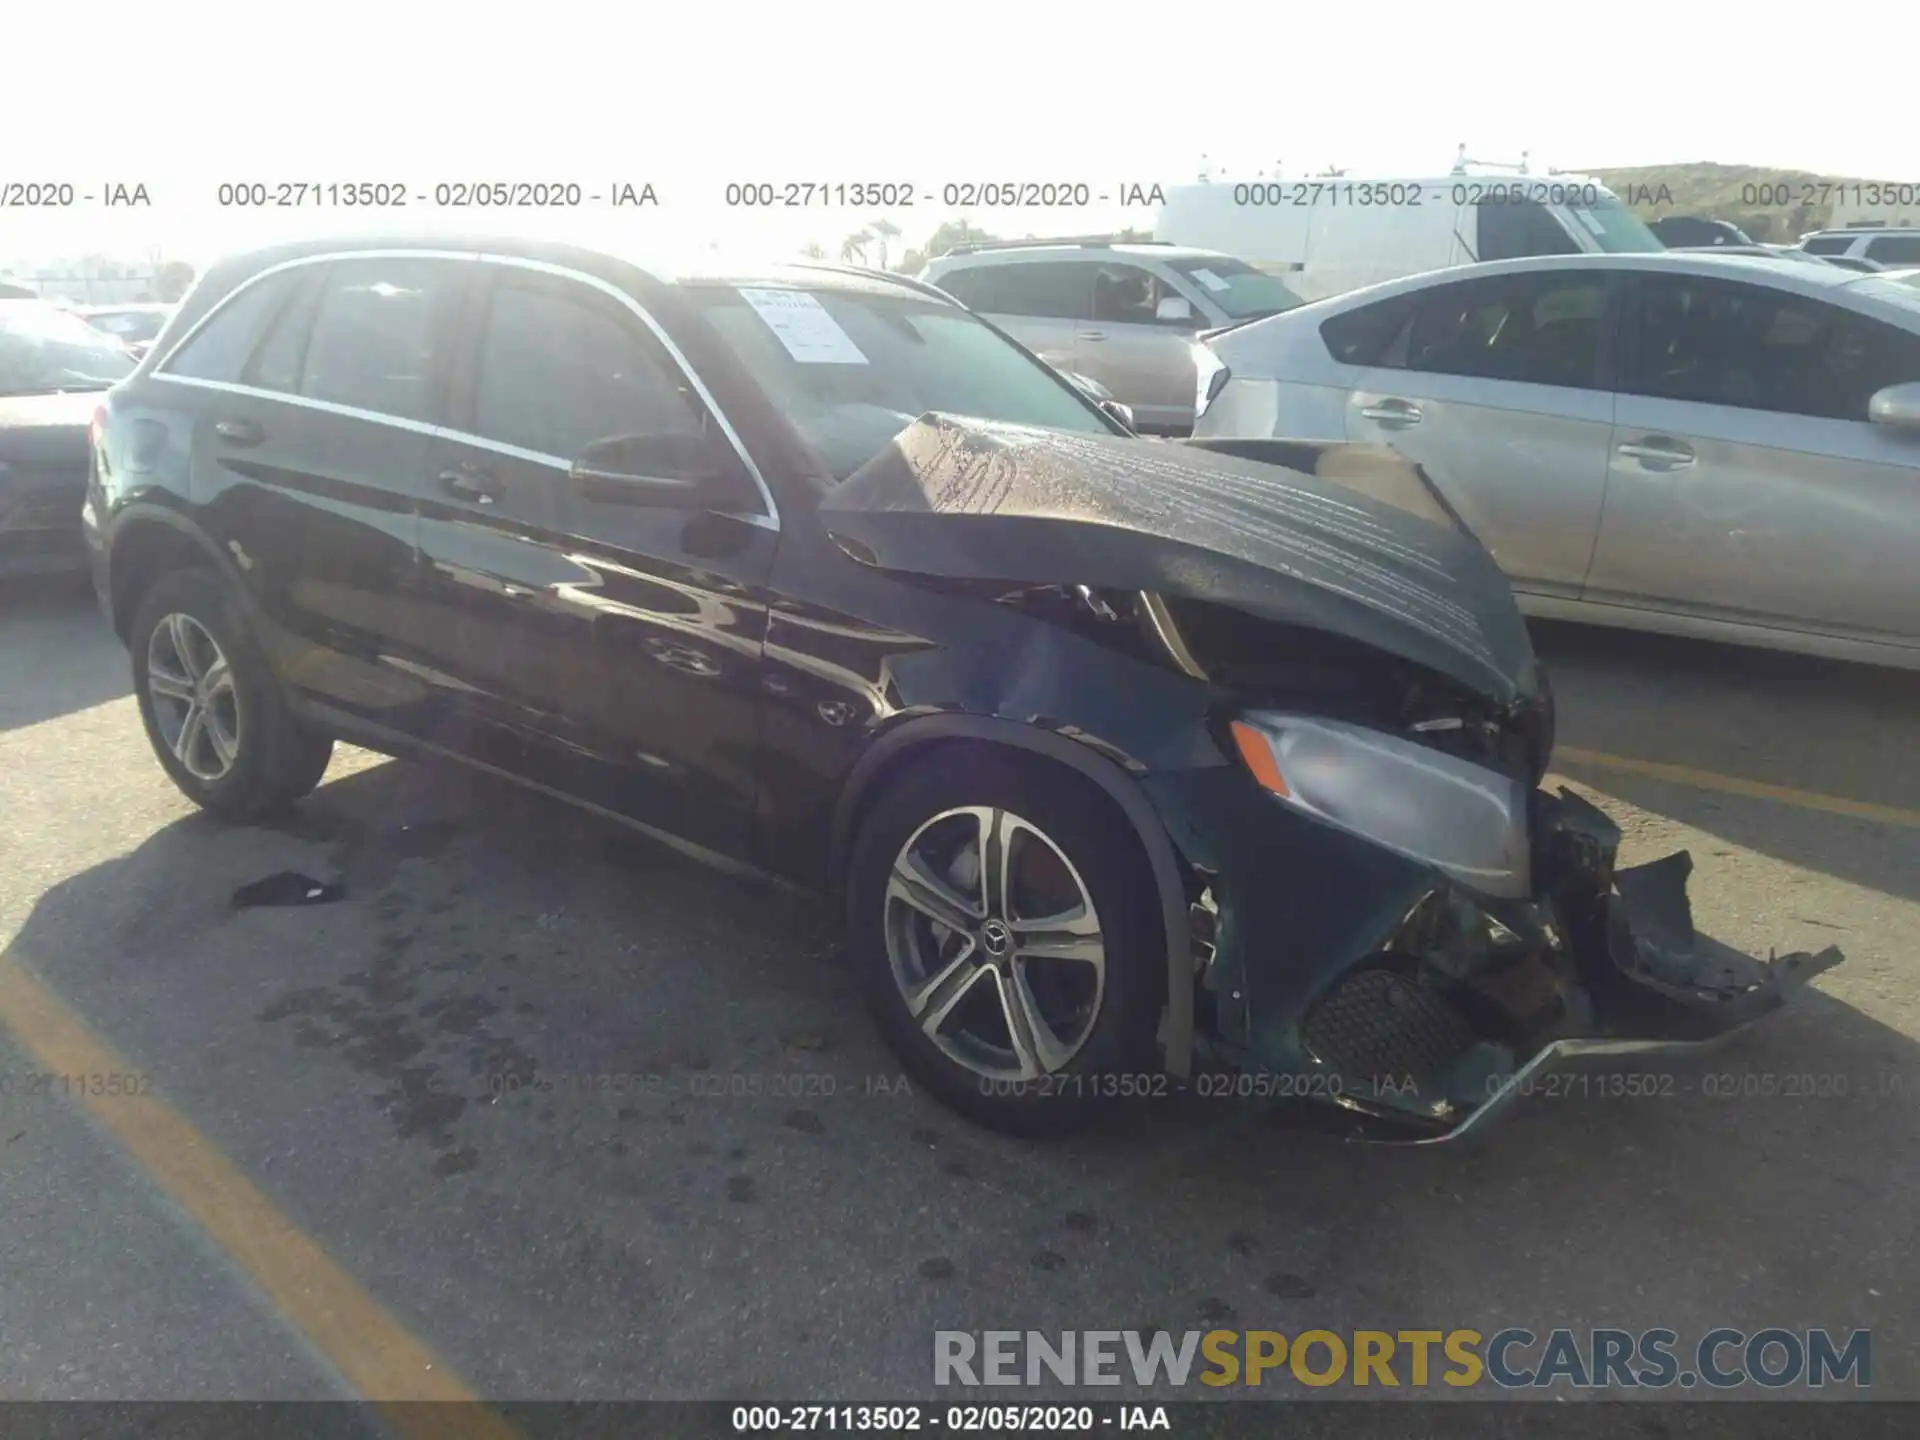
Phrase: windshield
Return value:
(1236, 287)
(851, 369)
(1615, 228)
(43, 349)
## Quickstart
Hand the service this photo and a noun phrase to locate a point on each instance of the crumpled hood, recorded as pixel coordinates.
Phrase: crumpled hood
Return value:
(972, 500)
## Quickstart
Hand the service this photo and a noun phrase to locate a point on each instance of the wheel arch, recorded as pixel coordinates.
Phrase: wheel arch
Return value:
(149, 541)
(886, 756)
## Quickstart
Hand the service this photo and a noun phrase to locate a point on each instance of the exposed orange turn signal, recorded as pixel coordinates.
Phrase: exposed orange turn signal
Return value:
(1258, 754)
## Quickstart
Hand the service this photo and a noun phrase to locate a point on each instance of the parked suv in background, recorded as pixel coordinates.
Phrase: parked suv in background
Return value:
(1889, 248)
(1118, 753)
(1123, 315)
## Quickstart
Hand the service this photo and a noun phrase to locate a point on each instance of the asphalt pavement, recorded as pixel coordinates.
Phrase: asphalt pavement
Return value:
(543, 1110)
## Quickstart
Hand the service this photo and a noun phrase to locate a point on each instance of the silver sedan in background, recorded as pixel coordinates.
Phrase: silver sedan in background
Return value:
(1726, 447)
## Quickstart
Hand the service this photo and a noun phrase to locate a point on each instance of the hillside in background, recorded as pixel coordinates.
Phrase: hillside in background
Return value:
(1747, 195)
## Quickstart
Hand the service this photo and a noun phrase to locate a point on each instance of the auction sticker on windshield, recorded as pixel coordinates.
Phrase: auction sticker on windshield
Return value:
(802, 324)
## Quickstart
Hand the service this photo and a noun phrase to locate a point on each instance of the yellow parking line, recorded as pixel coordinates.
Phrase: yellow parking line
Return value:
(374, 1351)
(1734, 785)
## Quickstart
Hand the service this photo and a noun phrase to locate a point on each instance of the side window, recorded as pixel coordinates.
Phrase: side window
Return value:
(1828, 245)
(1361, 337)
(561, 366)
(1894, 249)
(1128, 295)
(1042, 290)
(375, 334)
(219, 349)
(1543, 329)
(1507, 231)
(1718, 342)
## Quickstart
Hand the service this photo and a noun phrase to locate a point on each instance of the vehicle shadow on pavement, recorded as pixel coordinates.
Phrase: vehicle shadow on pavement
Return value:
(1836, 730)
(51, 629)
(535, 1077)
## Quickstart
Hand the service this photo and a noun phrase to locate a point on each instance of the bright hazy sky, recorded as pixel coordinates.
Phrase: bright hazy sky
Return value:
(185, 95)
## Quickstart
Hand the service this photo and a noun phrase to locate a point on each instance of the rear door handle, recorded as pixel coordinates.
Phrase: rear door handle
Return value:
(1394, 414)
(475, 485)
(1659, 451)
(239, 432)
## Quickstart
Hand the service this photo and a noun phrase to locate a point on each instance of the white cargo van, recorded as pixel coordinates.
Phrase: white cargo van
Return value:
(1329, 235)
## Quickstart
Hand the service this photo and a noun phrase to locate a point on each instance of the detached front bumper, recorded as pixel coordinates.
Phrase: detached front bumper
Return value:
(1436, 1009)
(1657, 985)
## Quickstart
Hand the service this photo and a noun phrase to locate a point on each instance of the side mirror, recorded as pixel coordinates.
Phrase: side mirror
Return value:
(1120, 412)
(1174, 310)
(1897, 406)
(668, 472)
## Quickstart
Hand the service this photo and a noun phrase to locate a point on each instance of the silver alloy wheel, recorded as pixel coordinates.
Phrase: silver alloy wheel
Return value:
(995, 943)
(195, 705)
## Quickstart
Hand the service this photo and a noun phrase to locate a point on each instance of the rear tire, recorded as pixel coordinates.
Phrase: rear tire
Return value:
(212, 706)
(1028, 1028)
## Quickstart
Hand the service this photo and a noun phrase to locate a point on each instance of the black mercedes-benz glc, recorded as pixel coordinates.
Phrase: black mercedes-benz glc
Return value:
(1129, 761)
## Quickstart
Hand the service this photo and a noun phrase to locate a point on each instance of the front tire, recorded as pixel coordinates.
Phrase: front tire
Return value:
(213, 709)
(1003, 923)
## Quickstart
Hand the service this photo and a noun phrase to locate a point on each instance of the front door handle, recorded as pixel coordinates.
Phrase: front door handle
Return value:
(1093, 334)
(1658, 452)
(239, 432)
(468, 484)
(1394, 414)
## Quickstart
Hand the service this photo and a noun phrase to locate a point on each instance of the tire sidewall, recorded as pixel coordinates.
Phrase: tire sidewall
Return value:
(200, 595)
(1117, 1056)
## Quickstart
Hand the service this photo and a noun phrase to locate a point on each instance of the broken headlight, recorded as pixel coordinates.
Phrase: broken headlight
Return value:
(1463, 819)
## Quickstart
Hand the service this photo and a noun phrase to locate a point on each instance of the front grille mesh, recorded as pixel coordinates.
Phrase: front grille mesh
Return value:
(1377, 1024)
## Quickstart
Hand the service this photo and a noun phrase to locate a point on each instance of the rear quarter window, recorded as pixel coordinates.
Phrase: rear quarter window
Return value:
(219, 348)
(1361, 337)
(966, 286)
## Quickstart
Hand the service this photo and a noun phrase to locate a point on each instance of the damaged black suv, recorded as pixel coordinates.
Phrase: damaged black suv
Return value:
(1128, 759)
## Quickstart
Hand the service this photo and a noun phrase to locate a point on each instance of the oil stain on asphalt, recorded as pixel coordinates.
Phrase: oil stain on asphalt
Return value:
(379, 1022)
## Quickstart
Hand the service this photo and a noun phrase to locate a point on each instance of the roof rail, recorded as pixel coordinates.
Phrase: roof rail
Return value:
(1085, 242)
(911, 282)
